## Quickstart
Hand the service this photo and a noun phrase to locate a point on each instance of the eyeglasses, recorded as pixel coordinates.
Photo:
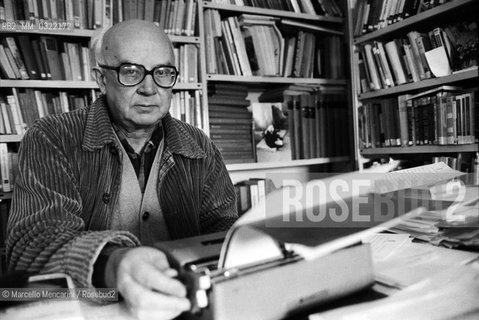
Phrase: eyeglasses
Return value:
(131, 74)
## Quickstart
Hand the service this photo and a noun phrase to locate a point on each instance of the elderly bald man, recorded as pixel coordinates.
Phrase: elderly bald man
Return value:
(98, 186)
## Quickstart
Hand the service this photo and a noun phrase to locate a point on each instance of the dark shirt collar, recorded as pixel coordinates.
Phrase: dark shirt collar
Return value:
(151, 145)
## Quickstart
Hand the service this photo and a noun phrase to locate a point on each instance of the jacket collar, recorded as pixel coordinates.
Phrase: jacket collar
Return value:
(99, 132)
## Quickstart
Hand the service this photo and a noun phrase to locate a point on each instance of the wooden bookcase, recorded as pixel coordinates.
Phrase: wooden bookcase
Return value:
(256, 84)
(440, 16)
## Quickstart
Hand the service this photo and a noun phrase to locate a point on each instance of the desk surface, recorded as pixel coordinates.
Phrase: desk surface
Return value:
(453, 294)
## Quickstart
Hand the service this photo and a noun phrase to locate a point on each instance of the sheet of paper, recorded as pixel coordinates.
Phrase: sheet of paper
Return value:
(415, 177)
(45, 310)
(415, 262)
(384, 245)
(449, 294)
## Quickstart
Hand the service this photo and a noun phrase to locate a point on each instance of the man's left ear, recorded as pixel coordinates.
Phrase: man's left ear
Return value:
(97, 75)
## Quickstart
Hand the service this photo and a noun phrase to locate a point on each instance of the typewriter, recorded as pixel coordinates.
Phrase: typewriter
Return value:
(274, 288)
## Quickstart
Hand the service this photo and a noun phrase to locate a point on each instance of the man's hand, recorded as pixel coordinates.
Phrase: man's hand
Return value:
(146, 281)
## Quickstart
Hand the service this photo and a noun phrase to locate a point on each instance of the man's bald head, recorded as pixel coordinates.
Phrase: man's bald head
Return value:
(130, 35)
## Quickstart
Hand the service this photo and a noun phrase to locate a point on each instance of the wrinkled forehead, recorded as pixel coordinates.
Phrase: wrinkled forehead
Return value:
(146, 49)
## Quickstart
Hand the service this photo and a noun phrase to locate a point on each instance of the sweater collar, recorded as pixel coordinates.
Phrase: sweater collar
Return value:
(99, 132)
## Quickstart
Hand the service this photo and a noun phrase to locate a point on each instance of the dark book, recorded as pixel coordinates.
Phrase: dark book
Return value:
(37, 54)
(244, 199)
(222, 62)
(213, 108)
(305, 123)
(319, 126)
(230, 128)
(234, 121)
(227, 101)
(50, 46)
(290, 104)
(27, 53)
(238, 148)
(223, 87)
(231, 135)
(299, 54)
(297, 127)
(250, 50)
(235, 115)
(411, 123)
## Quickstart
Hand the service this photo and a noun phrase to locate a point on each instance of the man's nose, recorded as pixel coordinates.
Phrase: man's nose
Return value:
(147, 87)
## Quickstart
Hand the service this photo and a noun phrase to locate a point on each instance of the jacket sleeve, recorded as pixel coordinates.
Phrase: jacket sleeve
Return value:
(46, 231)
(218, 211)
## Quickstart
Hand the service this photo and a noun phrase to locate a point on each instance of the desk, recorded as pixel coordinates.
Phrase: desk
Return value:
(446, 302)
(446, 296)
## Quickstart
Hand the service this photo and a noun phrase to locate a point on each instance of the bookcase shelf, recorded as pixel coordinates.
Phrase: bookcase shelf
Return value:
(424, 84)
(385, 103)
(420, 149)
(10, 138)
(272, 12)
(285, 164)
(184, 39)
(285, 80)
(79, 33)
(416, 20)
(65, 84)
(57, 84)
(6, 196)
(85, 33)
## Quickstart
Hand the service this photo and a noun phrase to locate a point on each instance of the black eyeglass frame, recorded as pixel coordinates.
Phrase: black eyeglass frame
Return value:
(147, 72)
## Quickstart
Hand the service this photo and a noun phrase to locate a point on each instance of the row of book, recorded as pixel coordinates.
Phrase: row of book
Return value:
(420, 56)
(187, 58)
(317, 120)
(374, 15)
(442, 116)
(265, 46)
(316, 7)
(176, 17)
(48, 58)
(231, 123)
(186, 106)
(250, 193)
(20, 109)
(462, 162)
(44, 58)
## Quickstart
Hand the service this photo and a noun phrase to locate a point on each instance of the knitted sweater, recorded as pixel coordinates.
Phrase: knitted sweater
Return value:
(68, 185)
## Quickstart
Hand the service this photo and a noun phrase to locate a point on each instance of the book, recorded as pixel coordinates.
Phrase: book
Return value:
(50, 47)
(17, 57)
(5, 168)
(27, 52)
(7, 70)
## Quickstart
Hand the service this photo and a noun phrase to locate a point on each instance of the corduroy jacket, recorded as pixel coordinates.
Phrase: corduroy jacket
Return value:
(68, 184)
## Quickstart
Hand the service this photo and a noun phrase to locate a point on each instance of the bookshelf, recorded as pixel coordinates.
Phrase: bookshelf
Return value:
(257, 83)
(392, 94)
(86, 19)
(321, 25)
